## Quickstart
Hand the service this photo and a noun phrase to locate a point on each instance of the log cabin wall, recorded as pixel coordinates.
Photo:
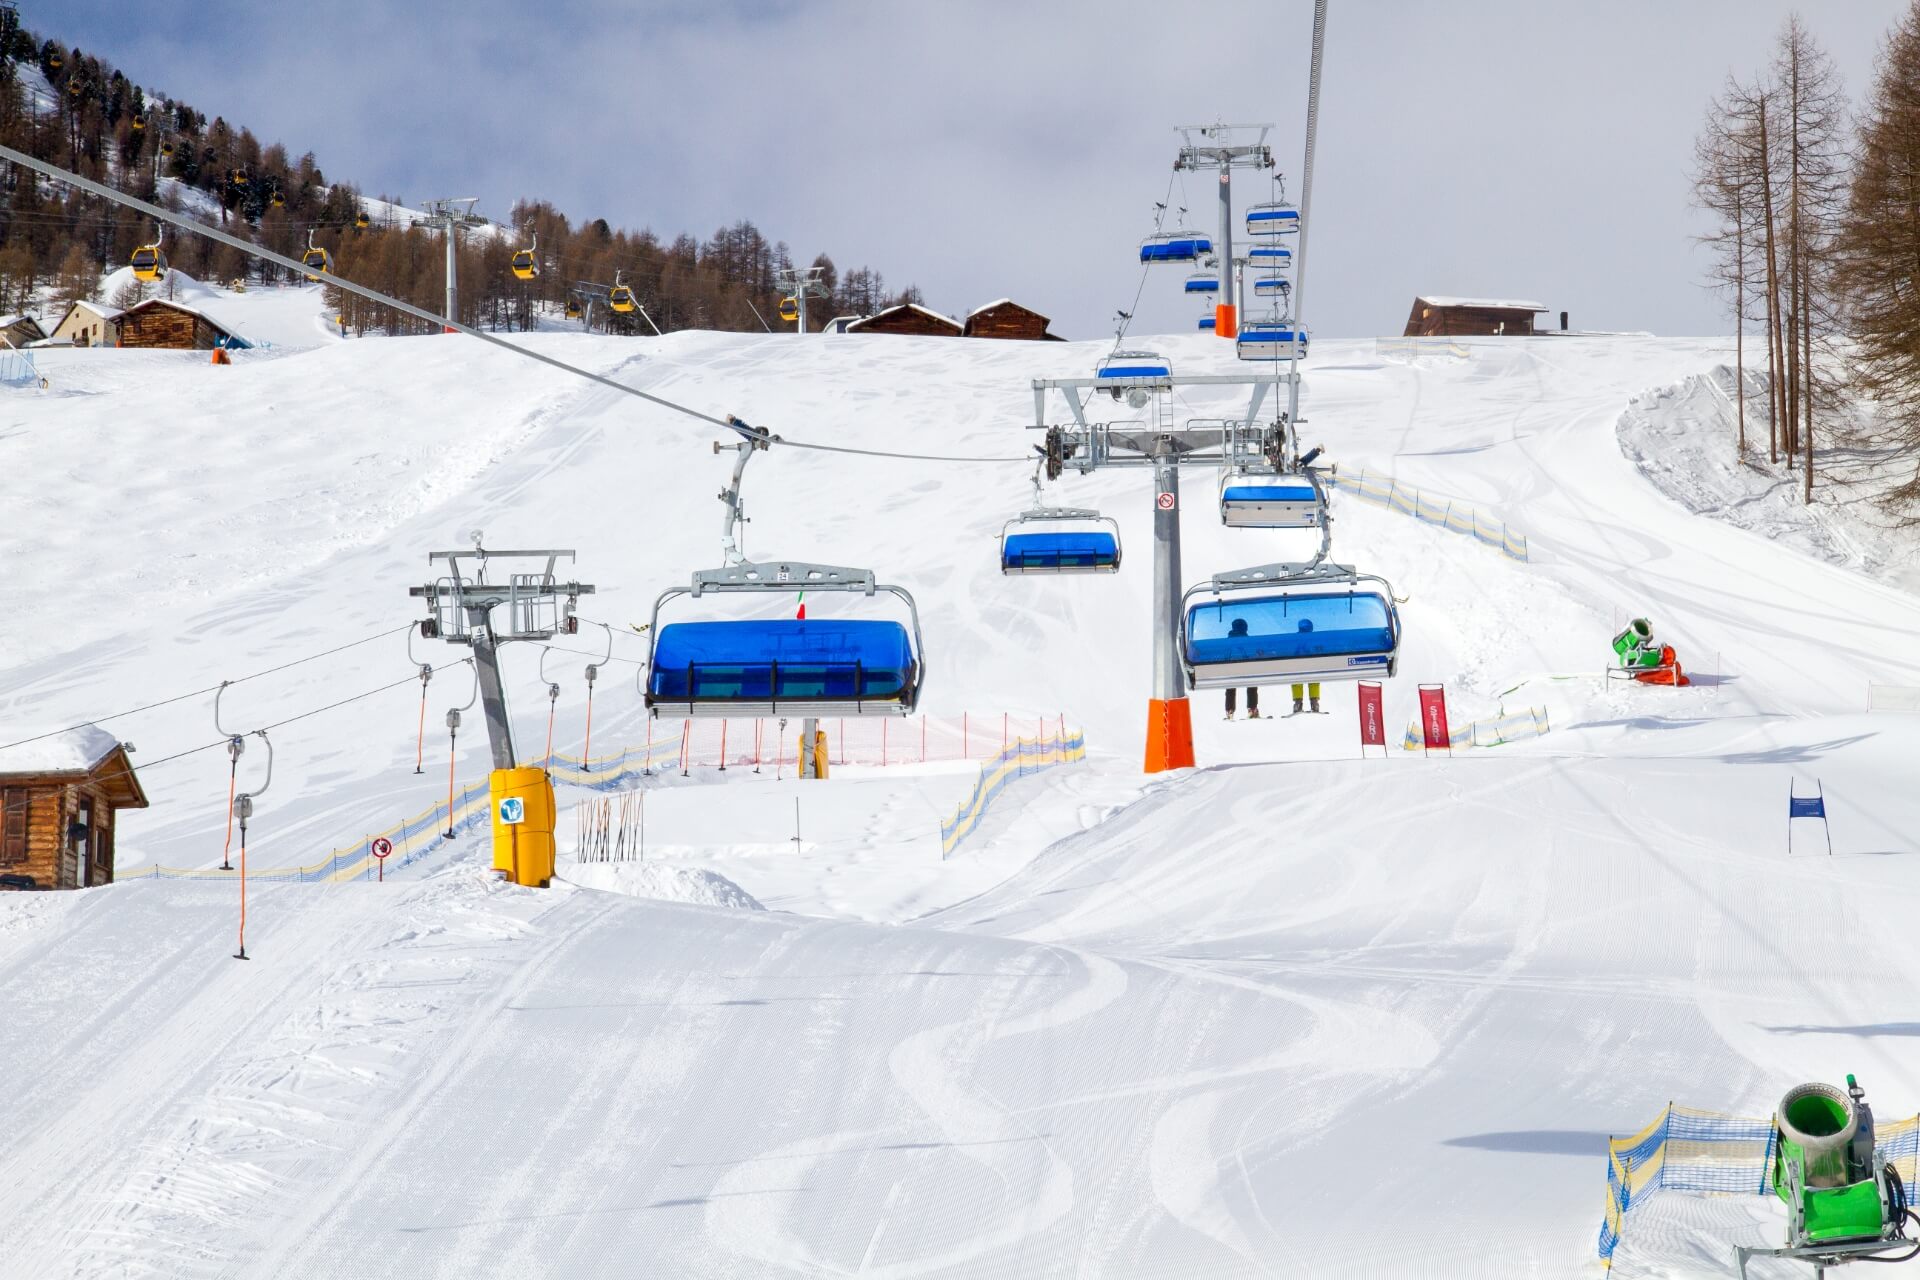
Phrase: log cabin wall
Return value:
(162, 326)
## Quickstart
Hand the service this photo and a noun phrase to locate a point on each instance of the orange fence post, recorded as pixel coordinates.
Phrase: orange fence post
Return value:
(723, 746)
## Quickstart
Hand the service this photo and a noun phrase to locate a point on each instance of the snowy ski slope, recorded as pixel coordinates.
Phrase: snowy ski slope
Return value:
(1294, 1014)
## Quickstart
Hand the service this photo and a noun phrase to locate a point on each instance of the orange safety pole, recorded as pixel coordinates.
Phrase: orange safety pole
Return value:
(225, 865)
(723, 746)
(756, 744)
(420, 737)
(586, 748)
(451, 735)
(685, 764)
(241, 954)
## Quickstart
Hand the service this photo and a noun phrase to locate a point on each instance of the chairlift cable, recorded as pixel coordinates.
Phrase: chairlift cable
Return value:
(182, 697)
(421, 313)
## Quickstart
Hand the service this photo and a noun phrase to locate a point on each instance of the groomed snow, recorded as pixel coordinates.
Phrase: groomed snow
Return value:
(1294, 1013)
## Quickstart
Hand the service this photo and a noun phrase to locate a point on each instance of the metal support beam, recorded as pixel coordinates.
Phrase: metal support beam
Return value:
(1169, 677)
(493, 694)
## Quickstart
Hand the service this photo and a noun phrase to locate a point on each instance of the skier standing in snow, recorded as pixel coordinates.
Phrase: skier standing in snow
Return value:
(1313, 693)
(1237, 630)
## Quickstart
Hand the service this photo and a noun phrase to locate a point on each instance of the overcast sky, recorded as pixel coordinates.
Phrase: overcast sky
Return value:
(980, 148)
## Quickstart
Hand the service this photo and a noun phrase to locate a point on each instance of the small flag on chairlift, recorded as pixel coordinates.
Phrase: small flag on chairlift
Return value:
(801, 613)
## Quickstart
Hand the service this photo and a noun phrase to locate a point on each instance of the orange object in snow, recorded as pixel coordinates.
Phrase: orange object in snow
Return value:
(220, 356)
(1169, 735)
(1668, 672)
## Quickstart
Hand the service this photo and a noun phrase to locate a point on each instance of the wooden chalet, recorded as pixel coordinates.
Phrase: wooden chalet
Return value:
(158, 323)
(18, 331)
(58, 797)
(1008, 319)
(909, 318)
(87, 324)
(1434, 317)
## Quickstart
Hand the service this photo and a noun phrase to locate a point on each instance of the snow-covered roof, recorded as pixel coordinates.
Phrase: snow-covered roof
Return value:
(100, 309)
(988, 306)
(7, 322)
(907, 306)
(75, 750)
(1503, 304)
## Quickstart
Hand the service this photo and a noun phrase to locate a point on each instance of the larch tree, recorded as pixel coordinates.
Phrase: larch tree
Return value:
(1878, 264)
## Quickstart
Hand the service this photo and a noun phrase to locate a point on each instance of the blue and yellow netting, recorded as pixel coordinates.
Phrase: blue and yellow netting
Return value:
(1025, 756)
(1711, 1153)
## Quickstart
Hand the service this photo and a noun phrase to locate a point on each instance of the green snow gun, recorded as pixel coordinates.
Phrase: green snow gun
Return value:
(1845, 1203)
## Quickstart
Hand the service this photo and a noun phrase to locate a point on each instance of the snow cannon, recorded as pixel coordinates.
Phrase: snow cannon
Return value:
(1637, 657)
(1845, 1202)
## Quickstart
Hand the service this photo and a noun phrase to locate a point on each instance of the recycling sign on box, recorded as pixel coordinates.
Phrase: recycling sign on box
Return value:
(513, 811)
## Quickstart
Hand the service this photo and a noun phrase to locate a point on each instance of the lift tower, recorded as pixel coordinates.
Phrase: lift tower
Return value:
(463, 607)
(446, 215)
(801, 285)
(1222, 148)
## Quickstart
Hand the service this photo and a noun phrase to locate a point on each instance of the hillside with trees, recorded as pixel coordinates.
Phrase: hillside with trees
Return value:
(1817, 243)
(75, 110)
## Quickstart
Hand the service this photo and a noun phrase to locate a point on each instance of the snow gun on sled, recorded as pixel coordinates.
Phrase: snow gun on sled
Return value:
(1845, 1202)
(1637, 657)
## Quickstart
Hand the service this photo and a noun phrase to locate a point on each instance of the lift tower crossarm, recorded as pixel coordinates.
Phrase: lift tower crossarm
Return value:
(461, 611)
(1224, 148)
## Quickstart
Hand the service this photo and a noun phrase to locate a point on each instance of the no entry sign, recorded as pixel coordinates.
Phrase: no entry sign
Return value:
(382, 847)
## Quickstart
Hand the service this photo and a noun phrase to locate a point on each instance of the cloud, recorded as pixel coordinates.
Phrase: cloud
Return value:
(983, 148)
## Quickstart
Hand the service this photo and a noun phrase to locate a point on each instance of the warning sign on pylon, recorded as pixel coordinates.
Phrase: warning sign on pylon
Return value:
(1164, 502)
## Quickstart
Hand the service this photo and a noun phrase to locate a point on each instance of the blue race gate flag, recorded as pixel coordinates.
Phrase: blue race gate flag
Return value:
(1813, 806)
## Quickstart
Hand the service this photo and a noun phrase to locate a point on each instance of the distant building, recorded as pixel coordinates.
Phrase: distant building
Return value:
(18, 331)
(908, 318)
(58, 797)
(87, 324)
(174, 326)
(1434, 317)
(840, 324)
(1008, 319)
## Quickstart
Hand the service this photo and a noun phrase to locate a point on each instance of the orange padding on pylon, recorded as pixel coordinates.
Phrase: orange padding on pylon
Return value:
(1169, 735)
(1224, 323)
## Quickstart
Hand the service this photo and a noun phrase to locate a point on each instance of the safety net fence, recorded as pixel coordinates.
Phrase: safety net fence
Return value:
(1385, 491)
(1020, 759)
(1712, 1153)
(679, 746)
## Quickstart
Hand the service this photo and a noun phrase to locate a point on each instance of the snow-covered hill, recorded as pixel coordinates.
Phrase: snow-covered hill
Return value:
(1295, 1013)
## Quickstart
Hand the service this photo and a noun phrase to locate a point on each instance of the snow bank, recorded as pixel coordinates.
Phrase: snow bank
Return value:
(662, 882)
(1684, 437)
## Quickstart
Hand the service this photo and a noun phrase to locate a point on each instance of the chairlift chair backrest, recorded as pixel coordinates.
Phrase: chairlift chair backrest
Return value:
(1274, 338)
(1272, 218)
(1175, 246)
(1057, 540)
(785, 666)
(1272, 287)
(1323, 624)
(1270, 257)
(1203, 282)
(1130, 368)
(1271, 500)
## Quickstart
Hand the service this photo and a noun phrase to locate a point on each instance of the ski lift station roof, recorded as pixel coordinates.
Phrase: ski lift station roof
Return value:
(1436, 315)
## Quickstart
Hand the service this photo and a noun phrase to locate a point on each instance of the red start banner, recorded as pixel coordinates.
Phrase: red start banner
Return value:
(1373, 727)
(1433, 718)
